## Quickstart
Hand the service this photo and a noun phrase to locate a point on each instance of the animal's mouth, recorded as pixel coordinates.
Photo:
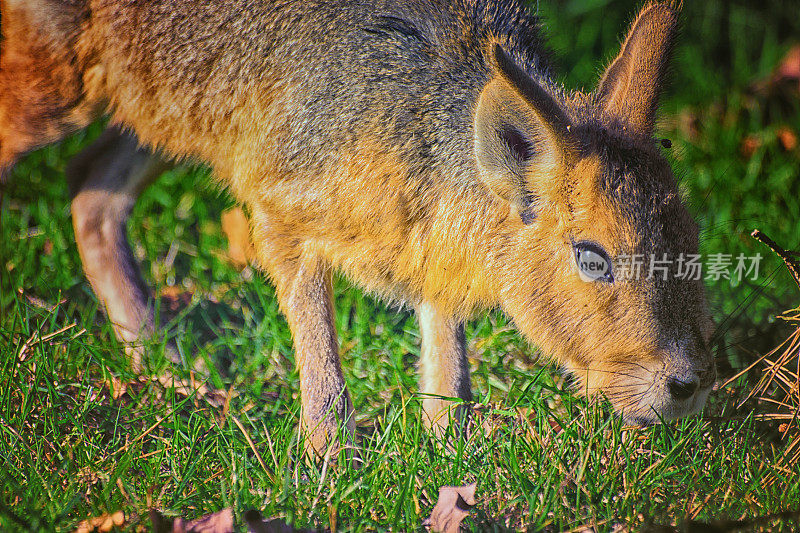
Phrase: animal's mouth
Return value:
(645, 393)
(654, 408)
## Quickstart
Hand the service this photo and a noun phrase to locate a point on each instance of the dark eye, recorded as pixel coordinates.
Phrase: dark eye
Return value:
(593, 262)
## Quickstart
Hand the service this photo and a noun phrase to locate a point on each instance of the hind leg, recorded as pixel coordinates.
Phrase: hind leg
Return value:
(106, 179)
(42, 99)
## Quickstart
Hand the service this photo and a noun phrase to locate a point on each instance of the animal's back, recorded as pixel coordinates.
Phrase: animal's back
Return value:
(194, 75)
(350, 124)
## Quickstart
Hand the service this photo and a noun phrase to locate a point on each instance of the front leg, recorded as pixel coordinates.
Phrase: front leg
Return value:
(443, 366)
(303, 283)
(309, 309)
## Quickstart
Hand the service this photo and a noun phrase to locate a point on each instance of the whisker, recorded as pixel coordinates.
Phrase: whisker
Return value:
(704, 231)
(613, 372)
(632, 401)
(634, 363)
(634, 380)
(747, 302)
(714, 186)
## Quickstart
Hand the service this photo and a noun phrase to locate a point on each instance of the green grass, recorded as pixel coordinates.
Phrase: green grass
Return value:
(543, 458)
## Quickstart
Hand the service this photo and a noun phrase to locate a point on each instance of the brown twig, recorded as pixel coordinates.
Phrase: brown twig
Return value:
(777, 372)
(787, 256)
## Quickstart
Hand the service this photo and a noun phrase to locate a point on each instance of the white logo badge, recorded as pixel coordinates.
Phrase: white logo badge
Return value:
(592, 265)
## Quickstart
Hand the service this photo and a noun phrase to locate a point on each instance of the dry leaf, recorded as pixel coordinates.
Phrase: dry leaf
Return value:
(787, 138)
(749, 145)
(237, 230)
(689, 124)
(789, 68)
(101, 524)
(257, 524)
(785, 76)
(190, 387)
(452, 508)
(117, 387)
(196, 389)
(219, 522)
(175, 298)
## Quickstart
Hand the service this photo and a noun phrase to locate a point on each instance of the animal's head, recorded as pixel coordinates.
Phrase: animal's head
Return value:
(591, 197)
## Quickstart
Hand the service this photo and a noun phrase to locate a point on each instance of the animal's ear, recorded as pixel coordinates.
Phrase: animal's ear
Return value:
(518, 123)
(629, 88)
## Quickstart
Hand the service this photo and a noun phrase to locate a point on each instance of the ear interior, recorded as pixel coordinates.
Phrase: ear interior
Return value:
(519, 147)
(509, 139)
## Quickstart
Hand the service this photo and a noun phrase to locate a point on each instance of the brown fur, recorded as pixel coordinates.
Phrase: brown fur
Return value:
(457, 183)
(42, 90)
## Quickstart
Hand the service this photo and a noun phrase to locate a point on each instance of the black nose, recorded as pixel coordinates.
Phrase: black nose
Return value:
(681, 390)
